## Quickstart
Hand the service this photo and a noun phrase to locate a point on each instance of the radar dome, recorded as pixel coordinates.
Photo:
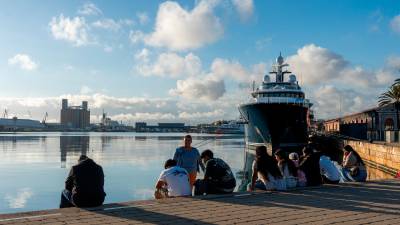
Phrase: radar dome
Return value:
(292, 78)
(266, 79)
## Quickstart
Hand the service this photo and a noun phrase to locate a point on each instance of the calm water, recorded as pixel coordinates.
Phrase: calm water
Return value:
(33, 166)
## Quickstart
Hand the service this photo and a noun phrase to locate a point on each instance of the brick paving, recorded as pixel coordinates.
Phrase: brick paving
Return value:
(374, 202)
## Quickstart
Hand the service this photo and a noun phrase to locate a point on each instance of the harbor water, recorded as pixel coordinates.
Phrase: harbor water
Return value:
(33, 166)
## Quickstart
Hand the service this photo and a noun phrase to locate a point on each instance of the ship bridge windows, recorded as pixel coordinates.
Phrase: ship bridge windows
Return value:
(282, 94)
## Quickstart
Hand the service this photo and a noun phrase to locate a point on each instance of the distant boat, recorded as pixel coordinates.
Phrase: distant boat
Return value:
(278, 113)
(232, 127)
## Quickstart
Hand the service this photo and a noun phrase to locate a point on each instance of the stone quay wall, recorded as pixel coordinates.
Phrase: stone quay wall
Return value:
(383, 156)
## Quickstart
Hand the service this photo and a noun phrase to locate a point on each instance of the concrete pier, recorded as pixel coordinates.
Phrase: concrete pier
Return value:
(373, 202)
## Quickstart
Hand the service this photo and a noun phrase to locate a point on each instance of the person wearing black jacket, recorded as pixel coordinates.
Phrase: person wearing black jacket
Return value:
(218, 176)
(84, 186)
(309, 163)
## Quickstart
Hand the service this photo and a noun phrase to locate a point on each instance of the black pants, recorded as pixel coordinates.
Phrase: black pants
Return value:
(66, 199)
(86, 201)
(202, 187)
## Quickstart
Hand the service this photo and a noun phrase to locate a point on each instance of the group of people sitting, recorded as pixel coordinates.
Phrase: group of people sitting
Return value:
(311, 169)
(84, 186)
(179, 176)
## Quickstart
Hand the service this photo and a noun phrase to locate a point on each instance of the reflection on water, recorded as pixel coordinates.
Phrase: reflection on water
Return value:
(33, 166)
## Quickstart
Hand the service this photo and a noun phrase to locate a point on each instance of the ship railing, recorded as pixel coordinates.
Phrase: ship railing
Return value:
(283, 100)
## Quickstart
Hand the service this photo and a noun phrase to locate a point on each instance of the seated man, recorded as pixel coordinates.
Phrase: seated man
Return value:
(173, 181)
(84, 186)
(218, 177)
(329, 172)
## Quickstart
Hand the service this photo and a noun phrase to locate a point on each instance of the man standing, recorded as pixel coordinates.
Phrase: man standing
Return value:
(84, 186)
(173, 181)
(188, 158)
(218, 177)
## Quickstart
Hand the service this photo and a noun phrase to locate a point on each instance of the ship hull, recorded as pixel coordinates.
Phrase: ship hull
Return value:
(282, 126)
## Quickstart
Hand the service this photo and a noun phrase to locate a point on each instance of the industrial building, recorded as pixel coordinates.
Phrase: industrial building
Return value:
(16, 124)
(75, 117)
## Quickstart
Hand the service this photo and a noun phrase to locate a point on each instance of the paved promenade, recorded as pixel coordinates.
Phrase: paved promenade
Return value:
(369, 203)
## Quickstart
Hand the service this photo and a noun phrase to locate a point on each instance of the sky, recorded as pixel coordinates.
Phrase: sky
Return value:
(192, 61)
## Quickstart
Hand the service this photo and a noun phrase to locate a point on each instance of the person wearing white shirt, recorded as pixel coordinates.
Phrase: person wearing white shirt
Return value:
(173, 181)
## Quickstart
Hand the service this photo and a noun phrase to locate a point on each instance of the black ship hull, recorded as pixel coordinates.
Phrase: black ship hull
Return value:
(282, 126)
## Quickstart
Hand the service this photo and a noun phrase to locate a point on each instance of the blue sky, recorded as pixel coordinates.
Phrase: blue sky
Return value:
(192, 61)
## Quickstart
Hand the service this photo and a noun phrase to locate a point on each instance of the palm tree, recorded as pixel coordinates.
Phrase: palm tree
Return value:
(392, 96)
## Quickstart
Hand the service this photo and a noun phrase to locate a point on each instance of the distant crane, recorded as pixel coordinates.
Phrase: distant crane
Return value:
(45, 118)
(5, 114)
(29, 114)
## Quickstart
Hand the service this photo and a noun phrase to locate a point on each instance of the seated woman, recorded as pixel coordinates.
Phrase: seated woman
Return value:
(266, 174)
(287, 168)
(301, 176)
(353, 168)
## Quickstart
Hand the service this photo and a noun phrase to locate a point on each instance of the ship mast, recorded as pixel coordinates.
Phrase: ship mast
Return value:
(278, 69)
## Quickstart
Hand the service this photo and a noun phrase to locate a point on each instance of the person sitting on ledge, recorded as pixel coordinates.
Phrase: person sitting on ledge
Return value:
(329, 172)
(173, 181)
(301, 177)
(287, 168)
(310, 165)
(84, 186)
(218, 176)
(265, 172)
(353, 168)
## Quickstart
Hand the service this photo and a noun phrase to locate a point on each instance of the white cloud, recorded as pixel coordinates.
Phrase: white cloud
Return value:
(23, 61)
(111, 24)
(143, 55)
(19, 201)
(136, 36)
(331, 102)
(395, 24)
(89, 9)
(224, 68)
(245, 8)
(85, 90)
(158, 116)
(218, 113)
(204, 89)
(179, 29)
(393, 62)
(107, 24)
(316, 64)
(73, 30)
(143, 17)
(170, 65)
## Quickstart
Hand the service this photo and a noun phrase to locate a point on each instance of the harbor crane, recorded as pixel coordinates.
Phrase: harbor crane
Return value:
(5, 114)
(45, 118)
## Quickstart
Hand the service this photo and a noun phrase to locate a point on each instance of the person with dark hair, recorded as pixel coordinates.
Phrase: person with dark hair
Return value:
(173, 181)
(84, 186)
(353, 168)
(218, 176)
(287, 168)
(265, 172)
(188, 158)
(310, 165)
